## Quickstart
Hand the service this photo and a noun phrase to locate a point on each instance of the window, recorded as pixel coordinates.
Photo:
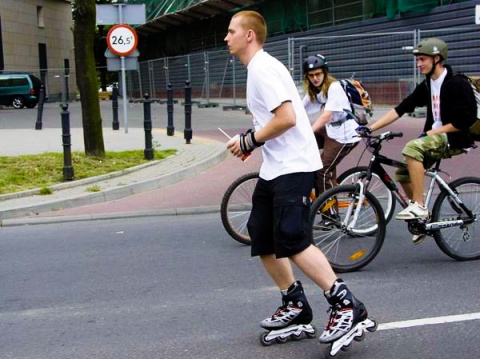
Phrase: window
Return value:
(2, 64)
(18, 81)
(40, 17)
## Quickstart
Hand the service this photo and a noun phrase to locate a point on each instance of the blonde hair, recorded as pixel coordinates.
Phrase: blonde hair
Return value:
(312, 91)
(252, 20)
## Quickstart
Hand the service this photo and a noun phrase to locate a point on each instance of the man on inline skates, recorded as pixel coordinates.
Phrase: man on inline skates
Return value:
(278, 224)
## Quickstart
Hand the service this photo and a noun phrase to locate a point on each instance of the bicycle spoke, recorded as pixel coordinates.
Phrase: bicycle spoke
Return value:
(331, 216)
(459, 242)
(237, 205)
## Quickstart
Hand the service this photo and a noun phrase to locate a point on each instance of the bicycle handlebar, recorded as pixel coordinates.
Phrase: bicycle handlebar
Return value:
(389, 135)
(384, 136)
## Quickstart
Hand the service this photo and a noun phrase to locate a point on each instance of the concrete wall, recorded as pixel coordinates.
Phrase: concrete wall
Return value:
(22, 31)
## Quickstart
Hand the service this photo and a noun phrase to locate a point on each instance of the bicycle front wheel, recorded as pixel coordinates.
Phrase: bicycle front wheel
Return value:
(376, 186)
(347, 243)
(236, 207)
(460, 242)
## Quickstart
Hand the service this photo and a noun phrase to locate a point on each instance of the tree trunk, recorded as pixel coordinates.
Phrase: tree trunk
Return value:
(84, 39)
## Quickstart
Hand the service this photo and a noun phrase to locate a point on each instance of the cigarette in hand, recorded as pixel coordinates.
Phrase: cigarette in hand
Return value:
(244, 157)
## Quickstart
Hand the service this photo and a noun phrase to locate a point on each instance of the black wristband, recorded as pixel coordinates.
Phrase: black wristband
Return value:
(244, 144)
(253, 140)
(248, 142)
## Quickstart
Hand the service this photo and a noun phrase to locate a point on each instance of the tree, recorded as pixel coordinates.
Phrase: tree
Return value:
(84, 35)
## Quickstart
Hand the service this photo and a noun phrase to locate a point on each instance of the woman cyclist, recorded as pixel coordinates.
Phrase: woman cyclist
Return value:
(334, 128)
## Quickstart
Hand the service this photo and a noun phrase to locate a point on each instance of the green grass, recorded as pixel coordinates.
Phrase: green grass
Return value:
(21, 173)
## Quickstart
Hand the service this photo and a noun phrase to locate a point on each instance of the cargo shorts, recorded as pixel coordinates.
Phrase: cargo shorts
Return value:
(279, 220)
(428, 150)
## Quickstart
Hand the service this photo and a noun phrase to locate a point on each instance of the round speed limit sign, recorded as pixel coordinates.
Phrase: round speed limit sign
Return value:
(122, 40)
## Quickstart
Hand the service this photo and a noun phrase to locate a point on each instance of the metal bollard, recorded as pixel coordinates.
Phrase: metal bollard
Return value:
(147, 125)
(41, 101)
(115, 123)
(66, 141)
(170, 128)
(187, 132)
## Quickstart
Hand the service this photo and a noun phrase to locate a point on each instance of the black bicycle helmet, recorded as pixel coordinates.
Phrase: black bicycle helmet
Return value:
(432, 47)
(315, 62)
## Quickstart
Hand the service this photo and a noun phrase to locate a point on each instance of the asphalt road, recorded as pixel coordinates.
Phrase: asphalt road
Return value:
(179, 287)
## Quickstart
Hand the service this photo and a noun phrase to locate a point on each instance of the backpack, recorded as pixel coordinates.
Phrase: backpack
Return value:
(360, 101)
(475, 127)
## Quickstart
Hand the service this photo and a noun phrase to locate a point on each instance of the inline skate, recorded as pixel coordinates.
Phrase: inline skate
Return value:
(348, 320)
(292, 319)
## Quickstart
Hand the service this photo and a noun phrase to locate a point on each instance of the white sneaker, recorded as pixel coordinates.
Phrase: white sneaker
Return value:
(413, 211)
(418, 238)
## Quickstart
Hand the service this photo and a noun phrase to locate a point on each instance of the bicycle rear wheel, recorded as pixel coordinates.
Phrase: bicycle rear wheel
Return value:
(384, 196)
(461, 242)
(347, 249)
(236, 207)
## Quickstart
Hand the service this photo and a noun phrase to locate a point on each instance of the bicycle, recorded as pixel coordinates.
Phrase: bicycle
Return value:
(357, 232)
(236, 201)
(236, 206)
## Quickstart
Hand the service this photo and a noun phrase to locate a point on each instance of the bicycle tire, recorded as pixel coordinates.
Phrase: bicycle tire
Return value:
(236, 206)
(348, 250)
(384, 196)
(461, 242)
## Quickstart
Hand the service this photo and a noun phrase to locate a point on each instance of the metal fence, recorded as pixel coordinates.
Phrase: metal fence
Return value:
(383, 62)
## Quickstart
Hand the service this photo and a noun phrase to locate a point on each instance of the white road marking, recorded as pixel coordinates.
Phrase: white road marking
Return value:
(429, 321)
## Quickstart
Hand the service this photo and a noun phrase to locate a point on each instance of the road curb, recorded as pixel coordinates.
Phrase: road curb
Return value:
(28, 212)
(15, 222)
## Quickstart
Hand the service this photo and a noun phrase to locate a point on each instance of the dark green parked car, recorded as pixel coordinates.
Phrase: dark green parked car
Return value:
(19, 90)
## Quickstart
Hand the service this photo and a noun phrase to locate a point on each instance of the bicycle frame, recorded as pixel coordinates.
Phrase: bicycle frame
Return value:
(375, 166)
(435, 178)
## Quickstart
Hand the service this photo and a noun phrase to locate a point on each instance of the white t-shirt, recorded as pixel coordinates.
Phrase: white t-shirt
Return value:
(336, 102)
(435, 86)
(269, 84)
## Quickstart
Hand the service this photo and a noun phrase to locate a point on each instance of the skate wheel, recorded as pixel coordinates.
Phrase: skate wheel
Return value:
(264, 341)
(346, 347)
(360, 337)
(327, 352)
(281, 340)
(311, 335)
(297, 337)
(374, 328)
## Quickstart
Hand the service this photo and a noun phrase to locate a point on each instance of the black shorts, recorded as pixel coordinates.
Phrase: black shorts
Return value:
(278, 223)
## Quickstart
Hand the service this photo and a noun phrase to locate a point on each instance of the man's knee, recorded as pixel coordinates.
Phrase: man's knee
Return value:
(414, 150)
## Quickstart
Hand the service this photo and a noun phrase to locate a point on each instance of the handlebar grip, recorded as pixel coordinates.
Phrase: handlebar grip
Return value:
(396, 134)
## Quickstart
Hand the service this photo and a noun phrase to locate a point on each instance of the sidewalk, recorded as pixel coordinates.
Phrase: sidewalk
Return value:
(181, 183)
(26, 207)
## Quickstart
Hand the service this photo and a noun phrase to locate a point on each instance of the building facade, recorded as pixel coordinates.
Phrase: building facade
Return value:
(36, 37)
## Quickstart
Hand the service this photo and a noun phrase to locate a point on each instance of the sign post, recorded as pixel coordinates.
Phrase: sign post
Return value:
(122, 40)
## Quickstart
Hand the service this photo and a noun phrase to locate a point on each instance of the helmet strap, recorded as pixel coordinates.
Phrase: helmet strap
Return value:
(434, 66)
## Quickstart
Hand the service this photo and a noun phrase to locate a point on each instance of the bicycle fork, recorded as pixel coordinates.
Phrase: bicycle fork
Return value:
(353, 208)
